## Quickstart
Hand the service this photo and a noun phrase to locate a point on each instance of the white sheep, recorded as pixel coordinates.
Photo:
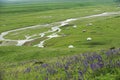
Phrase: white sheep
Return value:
(83, 30)
(74, 26)
(89, 24)
(89, 39)
(70, 46)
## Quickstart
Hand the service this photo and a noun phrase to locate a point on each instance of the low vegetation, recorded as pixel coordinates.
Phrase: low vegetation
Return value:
(104, 65)
(87, 49)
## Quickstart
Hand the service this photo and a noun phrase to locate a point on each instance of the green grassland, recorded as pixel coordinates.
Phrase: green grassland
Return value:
(23, 15)
(104, 32)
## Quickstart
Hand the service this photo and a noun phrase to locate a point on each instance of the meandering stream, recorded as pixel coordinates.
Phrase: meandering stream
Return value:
(53, 31)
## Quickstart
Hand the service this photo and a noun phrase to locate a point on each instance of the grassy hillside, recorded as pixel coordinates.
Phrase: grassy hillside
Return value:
(88, 60)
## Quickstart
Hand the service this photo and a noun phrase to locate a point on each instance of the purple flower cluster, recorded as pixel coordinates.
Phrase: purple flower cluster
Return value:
(77, 67)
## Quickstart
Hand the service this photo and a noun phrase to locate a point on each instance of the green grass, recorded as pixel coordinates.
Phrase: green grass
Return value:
(10, 20)
(35, 18)
(12, 54)
(104, 33)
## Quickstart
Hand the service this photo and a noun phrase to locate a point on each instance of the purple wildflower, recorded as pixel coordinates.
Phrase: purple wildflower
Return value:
(27, 70)
(80, 73)
(94, 66)
(46, 78)
(44, 65)
(100, 64)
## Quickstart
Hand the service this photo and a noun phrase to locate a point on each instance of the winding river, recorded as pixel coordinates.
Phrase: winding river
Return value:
(53, 31)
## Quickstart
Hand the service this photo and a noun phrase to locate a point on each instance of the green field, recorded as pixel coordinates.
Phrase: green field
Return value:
(18, 62)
